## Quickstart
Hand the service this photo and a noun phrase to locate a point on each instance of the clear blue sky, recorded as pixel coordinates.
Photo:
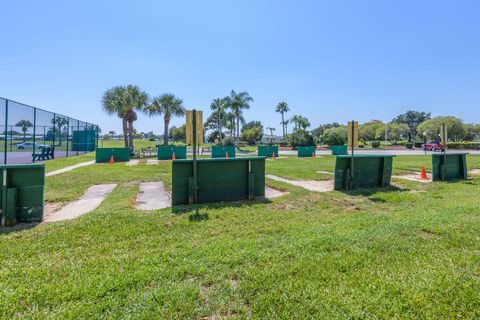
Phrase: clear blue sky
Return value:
(329, 60)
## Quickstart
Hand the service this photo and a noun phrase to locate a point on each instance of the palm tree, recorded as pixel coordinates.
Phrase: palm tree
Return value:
(296, 119)
(230, 123)
(168, 105)
(282, 108)
(238, 102)
(303, 123)
(218, 105)
(271, 133)
(58, 123)
(122, 101)
(24, 124)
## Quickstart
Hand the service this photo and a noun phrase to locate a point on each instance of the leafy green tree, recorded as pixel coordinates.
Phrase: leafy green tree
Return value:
(252, 124)
(238, 102)
(334, 135)
(178, 134)
(455, 129)
(168, 105)
(472, 131)
(371, 130)
(317, 133)
(123, 101)
(24, 124)
(252, 135)
(282, 108)
(412, 119)
(397, 130)
(301, 138)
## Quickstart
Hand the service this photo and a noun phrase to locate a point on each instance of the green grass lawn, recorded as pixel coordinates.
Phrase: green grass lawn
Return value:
(409, 251)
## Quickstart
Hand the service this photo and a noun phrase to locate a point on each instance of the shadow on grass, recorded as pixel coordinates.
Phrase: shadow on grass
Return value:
(182, 209)
(369, 192)
(18, 227)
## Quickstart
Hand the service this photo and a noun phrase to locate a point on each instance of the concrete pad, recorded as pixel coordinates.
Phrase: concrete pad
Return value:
(132, 162)
(153, 196)
(91, 199)
(325, 172)
(474, 171)
(312, 185)
(70, 168)
(413, 177)
(151, 162)
(273, 193)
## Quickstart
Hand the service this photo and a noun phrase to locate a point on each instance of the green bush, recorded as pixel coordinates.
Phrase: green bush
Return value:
(228, 141)
(409, 145)
(464, 145)
(375, 144)
(333, 139)
(301, 138)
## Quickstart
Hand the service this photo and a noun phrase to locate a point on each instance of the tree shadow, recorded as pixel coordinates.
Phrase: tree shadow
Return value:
(18, 227)
(183, 209)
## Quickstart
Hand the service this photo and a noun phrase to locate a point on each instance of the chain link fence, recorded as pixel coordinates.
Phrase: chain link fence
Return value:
(29, 134)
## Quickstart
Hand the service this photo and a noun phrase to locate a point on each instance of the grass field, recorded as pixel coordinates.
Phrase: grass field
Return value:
(407, 251)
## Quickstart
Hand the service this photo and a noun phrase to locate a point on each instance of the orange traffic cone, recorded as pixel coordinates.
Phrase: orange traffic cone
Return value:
(273, 156)
(423, 174)
(173, 156)
(226, 155)
(112, 160)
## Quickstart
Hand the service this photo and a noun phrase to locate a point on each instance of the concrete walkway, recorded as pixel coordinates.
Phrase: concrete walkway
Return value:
(312, 185)
(152, 196)
(132, 162)
(92, 198)
(70, 168)
(413, 177)
(273, 193)
(152, 162)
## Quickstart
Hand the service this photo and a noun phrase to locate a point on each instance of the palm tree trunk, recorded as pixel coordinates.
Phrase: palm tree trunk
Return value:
(238, 130)
(219, 132)
(125, 130)
(130, 135)
(283, 126)
(165, 133)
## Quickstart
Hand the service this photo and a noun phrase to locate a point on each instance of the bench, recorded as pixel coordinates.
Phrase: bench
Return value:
(47, 153)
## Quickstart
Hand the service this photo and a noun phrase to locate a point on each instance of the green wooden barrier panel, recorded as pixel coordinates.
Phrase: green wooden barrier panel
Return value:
(339, 150)
(22, 193)
(306, 151)
(221, 151)
(449, 166)
(267, 151)
(166, 152)
(218, 179)
(369, 171)
(103, 155)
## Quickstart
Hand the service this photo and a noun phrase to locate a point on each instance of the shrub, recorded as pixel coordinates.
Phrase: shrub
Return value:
(409, 145)
(152, 139)
(464, 145)
(375, 144)
(333, 139)
(228, 141)
(301, 138)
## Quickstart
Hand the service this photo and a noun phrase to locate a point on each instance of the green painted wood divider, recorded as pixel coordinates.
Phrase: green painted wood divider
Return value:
(267, 151)
(218, 179)
(369, 171)
(449, 166)
(221, 151)
(103, 155)
(22, 193)
(339, 150)
(166, 152)
(306, 151)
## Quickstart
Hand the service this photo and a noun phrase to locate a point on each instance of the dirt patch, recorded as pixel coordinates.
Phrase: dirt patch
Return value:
(413, 177)
(474, 171)
(428, 234)
(51, 207)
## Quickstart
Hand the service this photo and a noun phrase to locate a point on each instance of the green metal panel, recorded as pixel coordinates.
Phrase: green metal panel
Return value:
(218, 179)
(369, 171)
(103, 155)
(221, 151)
(339, 150)
(83, 140)
(267, 151)
(306, 151)
(24, 187)
(166, 152)
(449, 166)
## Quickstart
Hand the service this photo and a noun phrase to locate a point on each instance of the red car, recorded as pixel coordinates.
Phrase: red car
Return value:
(433, 146)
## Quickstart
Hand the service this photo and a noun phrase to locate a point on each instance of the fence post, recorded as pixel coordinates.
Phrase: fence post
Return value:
(6, 133)
(96, 143)
(54, 131)
(78, 130)
(68, 131)
(34, 130)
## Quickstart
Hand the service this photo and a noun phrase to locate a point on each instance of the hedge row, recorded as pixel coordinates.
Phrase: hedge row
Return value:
(464, 145)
